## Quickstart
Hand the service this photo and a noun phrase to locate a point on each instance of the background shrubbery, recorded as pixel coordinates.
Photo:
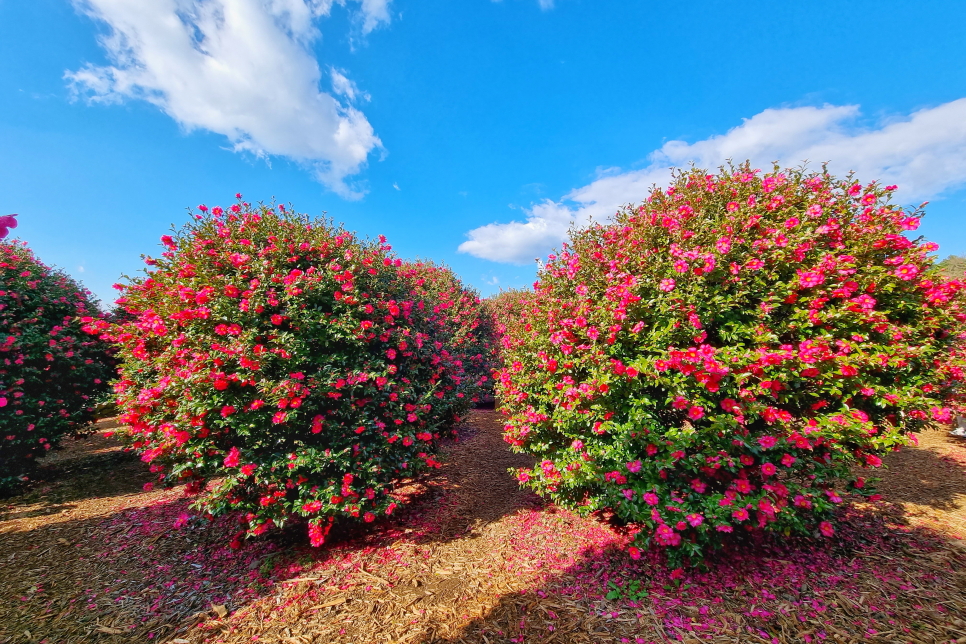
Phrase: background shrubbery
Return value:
(953, 267)
(462, 323)
(282, 366)
(50, 370)
(723, 356)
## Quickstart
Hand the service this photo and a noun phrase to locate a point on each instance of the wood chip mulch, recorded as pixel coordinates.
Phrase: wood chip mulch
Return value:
(86, 555)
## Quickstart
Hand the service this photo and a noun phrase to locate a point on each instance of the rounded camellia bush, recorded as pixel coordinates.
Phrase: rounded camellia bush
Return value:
(462, 322)
(727, 356)
(50, 370)
(282, 366)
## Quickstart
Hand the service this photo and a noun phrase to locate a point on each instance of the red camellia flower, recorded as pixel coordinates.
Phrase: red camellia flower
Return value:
(231, 460)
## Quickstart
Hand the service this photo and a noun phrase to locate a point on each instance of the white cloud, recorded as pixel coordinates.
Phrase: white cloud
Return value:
(374, 12)
(241, 68)
(545, 5)
(342, 86)
(924, 153)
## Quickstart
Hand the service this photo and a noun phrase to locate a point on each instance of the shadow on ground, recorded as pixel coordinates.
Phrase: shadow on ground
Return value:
(879, 581)
(87, 555)
(928, 477)
(470, 558)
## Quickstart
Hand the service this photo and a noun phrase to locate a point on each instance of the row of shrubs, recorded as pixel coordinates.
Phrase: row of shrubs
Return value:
(723, 358)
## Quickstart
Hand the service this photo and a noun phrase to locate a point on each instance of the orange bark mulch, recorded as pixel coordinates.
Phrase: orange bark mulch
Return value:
(87, 556)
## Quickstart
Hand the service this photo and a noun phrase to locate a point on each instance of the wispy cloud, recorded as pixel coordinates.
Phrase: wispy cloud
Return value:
(924, 153)
(240, 68)
(545, 5)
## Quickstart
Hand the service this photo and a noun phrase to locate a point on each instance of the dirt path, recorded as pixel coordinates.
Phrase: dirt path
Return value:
(88, 556)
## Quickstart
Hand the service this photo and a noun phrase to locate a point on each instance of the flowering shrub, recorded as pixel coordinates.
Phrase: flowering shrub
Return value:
(505, 306)
(504, 309)
(461, 322)
(721, 357)
(50, 370)
(282, 366)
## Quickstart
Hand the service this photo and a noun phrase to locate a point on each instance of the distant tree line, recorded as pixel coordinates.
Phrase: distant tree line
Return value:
(953, 266)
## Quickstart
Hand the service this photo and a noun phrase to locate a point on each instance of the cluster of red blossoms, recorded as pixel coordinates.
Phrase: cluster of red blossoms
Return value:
(283, 367)
(728, 355)
(50, 370)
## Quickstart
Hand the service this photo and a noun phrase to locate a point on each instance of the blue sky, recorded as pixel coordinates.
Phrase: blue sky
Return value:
(468, 132)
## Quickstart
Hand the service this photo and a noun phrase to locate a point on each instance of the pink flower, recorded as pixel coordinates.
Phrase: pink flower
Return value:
(740, 514)
(232, 459)
(696, 412)
(666, 536)
(248, 470)
(628, 494)
(848, 370)
(679, 402)
(907, 272)
(808, 279)
(181, 520)
(754, 264)
(767, 442)
(681, 266)
(695, 520)
(634, 466)
(667, 285)
(650, 498)
(634, 553)
(943, 414)
(723, 245)
(6, 222)
(788, 460)
(872, 460)
(768, 469)
(826, 528)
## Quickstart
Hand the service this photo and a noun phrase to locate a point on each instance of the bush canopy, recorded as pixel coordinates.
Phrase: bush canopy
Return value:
(725, 356)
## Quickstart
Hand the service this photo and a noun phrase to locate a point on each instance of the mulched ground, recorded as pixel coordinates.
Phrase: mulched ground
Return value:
(87, 556)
